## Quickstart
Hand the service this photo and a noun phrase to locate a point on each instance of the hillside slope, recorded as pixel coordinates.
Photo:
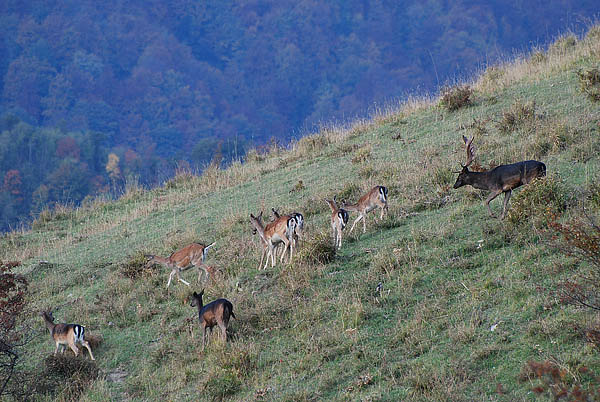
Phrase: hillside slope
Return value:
(311, 330)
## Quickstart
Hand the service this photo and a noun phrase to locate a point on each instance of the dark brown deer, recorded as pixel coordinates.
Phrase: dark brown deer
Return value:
(214, 313)
(501, 179)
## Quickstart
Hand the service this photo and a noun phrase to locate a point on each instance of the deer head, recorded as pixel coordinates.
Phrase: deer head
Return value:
(462, 175)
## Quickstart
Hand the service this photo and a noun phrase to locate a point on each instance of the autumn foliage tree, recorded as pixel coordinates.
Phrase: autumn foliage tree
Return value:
(581, 239)
(13, 289)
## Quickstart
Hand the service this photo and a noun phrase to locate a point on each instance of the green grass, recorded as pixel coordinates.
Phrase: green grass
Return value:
(311, 331)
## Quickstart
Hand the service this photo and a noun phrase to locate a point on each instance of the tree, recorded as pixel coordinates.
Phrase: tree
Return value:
(12, 302)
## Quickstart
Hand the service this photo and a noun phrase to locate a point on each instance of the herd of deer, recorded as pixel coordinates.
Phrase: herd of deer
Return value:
(288, 229)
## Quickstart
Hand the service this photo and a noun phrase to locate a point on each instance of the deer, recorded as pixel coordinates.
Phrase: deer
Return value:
(192, 255)
(214, 313)
(376, 197)
(339, 220)
(501, 179)
(298, 227)
(279, 231)
(66, 334)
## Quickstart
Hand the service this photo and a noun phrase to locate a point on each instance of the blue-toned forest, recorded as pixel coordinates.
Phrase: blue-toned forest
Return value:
(96, 94)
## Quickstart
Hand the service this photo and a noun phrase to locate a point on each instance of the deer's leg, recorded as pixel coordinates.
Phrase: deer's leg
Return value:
(490, 198)
(202, 270)
(223, 330)
(57, 347)
(74, 348)
(384, 208)
(355, 221)
(170, 278)
(203, 335)
(287, 246)
(272, 254)
(364, 225)
(179, 278)
(87, 346)
(506, 198)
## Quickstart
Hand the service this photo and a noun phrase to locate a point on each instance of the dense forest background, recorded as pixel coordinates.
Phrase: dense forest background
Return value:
(97, 94)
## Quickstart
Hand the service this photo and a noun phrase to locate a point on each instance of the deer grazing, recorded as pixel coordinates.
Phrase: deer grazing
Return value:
(214, 313)
(339, 219)
(66, 334)
(501, 179)
(192, 255)
(279, 231)
(377, 197)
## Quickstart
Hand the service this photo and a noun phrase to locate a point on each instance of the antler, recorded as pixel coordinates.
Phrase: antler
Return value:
(470, 150)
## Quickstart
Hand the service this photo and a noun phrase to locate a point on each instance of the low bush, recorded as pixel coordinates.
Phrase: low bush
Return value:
(362, 154)
(514, 117)
(135, 267)
(589, 83)
(454, 98)
(65, 376)
(538, 202)
(580, 239)
(556, 382)
(316, 249)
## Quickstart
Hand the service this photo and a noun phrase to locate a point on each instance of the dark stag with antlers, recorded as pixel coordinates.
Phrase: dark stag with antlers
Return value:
(501, 179)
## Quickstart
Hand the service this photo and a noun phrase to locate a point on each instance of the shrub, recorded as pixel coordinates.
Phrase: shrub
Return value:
(135, 267)
(589, 82)
(312, 144)
(454, 98)
(537, 57)
(65, 375)
(563, 44)
(254, 156)
(557, 382)
(516, 115)
(594, 33)
(13, 288)
(538, 202)
(316, 249)
(222, 383)
(582, 240)
(350, 192)
(362, 155)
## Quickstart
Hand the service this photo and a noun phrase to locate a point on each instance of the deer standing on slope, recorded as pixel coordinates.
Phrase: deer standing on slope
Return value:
(377, 197)
(214, 313)
(66, 334)
(192, 255)
(279, 231)
(501, 179)
(298, 225)
(339, 220)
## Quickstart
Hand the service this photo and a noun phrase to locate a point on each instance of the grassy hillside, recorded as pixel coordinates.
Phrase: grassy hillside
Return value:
(310, 330)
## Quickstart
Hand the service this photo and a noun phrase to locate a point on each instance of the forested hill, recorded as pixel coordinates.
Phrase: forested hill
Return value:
(156, 82)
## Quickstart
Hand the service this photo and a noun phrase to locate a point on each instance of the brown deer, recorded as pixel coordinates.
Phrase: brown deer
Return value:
(298, 225)
(192, 255)
(214, 313)
(66, 334)
(279, 231)
(339, 220)
(501, 179)
(377, 197)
